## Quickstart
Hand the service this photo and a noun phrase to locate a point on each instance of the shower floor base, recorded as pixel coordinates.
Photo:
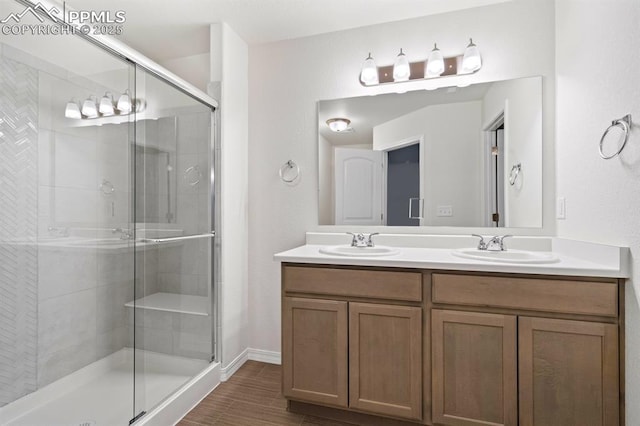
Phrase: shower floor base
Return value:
(102, 394)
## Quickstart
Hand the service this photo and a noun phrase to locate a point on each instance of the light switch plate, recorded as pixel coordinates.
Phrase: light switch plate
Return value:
(561, 208)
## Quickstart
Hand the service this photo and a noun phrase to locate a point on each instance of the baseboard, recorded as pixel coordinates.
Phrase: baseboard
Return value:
(233, 366)
(269, 357)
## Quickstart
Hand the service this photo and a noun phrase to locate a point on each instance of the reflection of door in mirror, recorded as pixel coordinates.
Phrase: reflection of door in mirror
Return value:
(494, 157)
(358, 185)
(403, 184)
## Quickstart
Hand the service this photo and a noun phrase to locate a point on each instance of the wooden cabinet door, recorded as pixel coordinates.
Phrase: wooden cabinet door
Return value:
(314, 340)
(568, 373)
(385, 359)
(474, 359)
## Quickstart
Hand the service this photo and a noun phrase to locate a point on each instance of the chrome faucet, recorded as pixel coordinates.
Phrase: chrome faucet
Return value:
(494, 244)
(362, 240)
(125, 233)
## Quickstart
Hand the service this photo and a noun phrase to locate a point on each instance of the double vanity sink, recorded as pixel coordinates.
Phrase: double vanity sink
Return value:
(503, 256)
(430, 330)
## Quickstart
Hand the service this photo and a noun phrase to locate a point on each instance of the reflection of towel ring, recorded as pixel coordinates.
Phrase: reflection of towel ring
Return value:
(289, 172)
(192, 175)
(625, 124)
(107, 187)
(515, 172)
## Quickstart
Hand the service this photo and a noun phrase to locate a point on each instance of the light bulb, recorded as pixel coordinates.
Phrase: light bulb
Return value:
(435, 63)
(124, 103)
(106, 104)
(471, 60)
(72, 110)
(89, 108)
(369, 73)
(338, 124)
(401, 68)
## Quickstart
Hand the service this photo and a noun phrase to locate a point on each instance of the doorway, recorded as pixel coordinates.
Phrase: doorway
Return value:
(403, 185)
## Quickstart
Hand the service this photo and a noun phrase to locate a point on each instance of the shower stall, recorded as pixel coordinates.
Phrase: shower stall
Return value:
(107, 249)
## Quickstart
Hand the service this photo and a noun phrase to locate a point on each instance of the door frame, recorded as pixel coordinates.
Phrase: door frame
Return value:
(488, 140)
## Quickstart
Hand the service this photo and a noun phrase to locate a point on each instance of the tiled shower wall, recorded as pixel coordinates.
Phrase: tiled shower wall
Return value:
(18, 229)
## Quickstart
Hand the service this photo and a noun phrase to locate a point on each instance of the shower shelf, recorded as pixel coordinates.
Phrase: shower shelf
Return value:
(170, 302)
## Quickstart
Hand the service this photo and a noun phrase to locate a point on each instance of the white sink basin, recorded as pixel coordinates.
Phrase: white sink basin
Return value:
(359, 251)
(507, 256)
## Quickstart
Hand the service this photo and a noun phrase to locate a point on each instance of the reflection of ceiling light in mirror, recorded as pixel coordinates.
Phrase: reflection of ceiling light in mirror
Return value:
(124, 102)
(72, 110)
(369, 73)
(89, 108)
(471, 61)
(435, 63)
(106, 105)
(401, 68)
(338, 124)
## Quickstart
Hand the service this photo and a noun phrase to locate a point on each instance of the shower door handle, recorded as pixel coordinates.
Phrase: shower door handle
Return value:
(186, 237)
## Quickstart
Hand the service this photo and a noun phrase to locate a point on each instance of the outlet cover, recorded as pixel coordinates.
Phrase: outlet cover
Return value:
(444, 211)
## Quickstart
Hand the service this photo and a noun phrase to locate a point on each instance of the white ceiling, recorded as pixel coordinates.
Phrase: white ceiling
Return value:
(165, 29)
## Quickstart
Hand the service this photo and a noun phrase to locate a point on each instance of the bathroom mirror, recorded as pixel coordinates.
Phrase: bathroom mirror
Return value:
(455, 156)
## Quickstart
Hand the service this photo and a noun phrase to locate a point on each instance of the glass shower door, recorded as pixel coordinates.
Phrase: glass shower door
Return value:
(172, 316)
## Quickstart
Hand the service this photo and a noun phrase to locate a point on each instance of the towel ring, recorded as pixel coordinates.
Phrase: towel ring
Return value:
(515, 172)
(625, 124)
(289, 171)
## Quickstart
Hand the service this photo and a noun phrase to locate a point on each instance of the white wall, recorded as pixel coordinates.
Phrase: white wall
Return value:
(195, 69)
(229, 63)
(450, 163)
(597, 81)
(520, 101)
(286, 79)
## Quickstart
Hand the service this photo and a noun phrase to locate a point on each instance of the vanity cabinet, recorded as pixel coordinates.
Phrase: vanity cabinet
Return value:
(353, 339)
(544, 353)
(452, 348)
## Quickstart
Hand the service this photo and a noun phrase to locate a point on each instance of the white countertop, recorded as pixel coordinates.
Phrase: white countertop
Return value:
(576, 258)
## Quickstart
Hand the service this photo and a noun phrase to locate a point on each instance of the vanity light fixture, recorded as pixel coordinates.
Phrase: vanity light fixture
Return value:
(124, 102)
(435, 66)
(369, 72)
(89, 108)
(471, 60)
(338, 124)
(401, 68)
(435, 63)
(106, 105)
(72, 110)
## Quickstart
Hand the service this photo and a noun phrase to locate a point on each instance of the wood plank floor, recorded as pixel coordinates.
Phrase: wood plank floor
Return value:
(251, 397)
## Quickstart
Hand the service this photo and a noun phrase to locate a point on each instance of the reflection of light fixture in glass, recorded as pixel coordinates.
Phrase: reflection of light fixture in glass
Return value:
(124, 102)
(106, 104)
(72, 110)
(338, 124)
(471, 61)
(401, 68)
(369, 72)
(89, 108)
(435, 63)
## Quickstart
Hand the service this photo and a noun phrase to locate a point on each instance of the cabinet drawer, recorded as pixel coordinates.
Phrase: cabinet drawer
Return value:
(562, 296)
(388, 285)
